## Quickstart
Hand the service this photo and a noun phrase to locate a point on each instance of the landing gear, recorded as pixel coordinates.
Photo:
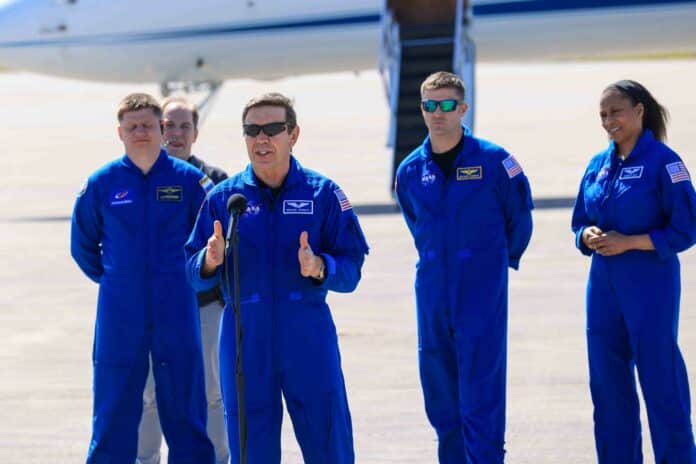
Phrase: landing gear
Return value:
(211, 90)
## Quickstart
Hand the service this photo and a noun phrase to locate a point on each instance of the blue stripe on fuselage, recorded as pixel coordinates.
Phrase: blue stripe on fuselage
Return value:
(550, 6)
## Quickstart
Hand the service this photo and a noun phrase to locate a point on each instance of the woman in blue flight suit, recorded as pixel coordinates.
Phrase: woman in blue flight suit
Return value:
(635, 211)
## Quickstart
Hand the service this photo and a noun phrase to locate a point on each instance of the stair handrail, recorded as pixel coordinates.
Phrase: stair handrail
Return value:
(465, 53)
(389, 65)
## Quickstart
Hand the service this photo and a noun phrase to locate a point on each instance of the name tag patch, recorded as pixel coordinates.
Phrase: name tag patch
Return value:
(298, 207)
(470, 173)
(633, 172)
(170, 193)
(121, 197)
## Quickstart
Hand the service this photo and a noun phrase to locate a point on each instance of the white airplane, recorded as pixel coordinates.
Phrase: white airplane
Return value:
(199, 44)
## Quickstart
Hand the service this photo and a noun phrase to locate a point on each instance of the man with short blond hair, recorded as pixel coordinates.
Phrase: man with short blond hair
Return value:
(444, 80)
(467, 204)
(180, 132)
(129, 225)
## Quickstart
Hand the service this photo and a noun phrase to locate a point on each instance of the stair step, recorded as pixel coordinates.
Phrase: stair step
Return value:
(422, 31)
(424, 68)
(437, 51)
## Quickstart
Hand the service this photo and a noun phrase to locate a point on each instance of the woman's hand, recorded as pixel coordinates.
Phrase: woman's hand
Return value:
(610, 243)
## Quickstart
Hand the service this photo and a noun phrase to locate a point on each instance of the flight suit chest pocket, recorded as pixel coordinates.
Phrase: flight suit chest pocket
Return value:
(289, 231)
(595, 189)
(122, 210)
(253, 248)
(174, 224)
(634, 182)
(637, 203)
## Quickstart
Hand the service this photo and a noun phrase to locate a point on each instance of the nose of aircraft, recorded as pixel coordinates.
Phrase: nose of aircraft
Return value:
(18, 27)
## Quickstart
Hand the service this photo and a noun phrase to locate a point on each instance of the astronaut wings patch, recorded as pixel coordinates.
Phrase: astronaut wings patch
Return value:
(512, 167)
(343, 200)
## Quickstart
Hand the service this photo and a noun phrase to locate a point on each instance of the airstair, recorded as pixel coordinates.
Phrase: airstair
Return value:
(420, 37)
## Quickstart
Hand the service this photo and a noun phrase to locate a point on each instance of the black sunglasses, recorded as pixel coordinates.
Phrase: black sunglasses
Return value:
(270, 129)
(429, 106)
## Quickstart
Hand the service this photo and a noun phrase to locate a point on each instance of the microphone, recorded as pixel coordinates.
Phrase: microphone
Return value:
(236, 205)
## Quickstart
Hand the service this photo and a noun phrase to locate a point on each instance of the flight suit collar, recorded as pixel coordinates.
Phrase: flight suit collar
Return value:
(161, 160)
(644, 142)
(428, 150)
(295, 175)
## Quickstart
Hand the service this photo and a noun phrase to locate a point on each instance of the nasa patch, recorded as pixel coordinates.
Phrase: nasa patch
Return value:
(428, 178)
(253, 209)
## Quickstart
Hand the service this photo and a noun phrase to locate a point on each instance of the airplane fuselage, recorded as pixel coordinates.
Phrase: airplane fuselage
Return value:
(207, 40)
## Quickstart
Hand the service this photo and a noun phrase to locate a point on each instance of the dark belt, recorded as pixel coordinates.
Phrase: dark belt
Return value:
(210, 296)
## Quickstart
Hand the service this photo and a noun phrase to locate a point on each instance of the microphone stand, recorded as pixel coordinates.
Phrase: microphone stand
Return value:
(239, 370)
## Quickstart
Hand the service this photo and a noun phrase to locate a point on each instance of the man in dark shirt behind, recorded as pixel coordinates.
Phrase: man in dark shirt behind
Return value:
(180, 131)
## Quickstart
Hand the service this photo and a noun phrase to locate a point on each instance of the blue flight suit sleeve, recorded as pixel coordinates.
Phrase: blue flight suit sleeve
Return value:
(580, 219)
(679, 206)
(195, 247)
(343, 245)
(85, 233)
(517, 207)
(402, 198)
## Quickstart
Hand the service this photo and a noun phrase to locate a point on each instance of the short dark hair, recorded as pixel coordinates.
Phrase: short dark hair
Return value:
(444, 80)
(273, 99)
(655, 116)
(137, 102)
(186, 104)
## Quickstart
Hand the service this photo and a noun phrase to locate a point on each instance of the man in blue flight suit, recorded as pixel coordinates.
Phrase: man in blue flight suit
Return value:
(129, 226)
(298, 239)
(180, 131)
(467, 204)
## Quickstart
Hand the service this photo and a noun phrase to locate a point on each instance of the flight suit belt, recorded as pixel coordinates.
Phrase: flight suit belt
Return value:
(296, 295)
(209, 296)
(430, 254)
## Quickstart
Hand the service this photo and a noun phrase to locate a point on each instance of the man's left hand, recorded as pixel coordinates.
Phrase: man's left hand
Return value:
(310, 264)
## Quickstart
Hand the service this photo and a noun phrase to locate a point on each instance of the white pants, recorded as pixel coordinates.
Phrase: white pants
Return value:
(150, 433)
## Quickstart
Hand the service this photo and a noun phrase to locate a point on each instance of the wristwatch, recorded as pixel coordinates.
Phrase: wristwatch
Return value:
(322, 270)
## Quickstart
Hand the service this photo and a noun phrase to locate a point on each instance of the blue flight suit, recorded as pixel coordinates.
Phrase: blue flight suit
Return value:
(128, 233)
(468, 228)
(289, 342)
(633, 300)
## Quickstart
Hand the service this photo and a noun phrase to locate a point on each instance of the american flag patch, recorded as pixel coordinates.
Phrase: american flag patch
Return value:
(512, 167)
(343, 200)
(677, 172)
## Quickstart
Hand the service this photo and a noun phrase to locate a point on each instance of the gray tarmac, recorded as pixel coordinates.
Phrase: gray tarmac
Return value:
(55, 132)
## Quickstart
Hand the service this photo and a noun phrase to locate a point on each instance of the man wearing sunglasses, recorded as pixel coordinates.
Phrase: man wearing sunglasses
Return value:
(298, 238)
(180, 131)
(468, 205)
